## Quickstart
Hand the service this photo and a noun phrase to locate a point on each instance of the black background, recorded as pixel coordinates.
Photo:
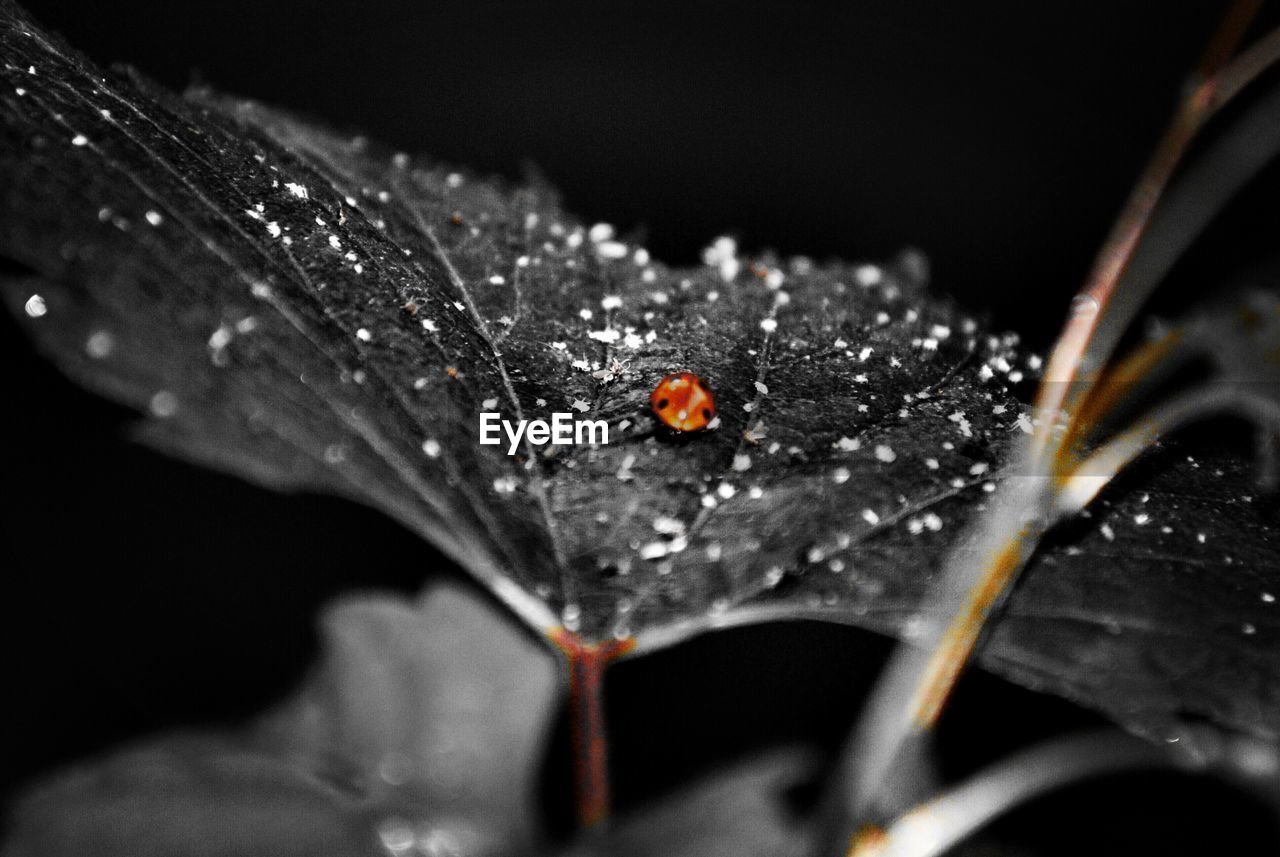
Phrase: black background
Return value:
(1000, 137)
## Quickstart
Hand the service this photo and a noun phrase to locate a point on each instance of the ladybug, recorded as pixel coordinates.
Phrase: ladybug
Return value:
(682, 402)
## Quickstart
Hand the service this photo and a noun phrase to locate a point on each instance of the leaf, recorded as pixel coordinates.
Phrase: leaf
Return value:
(310, 311)
(186, 796)
(424, 723)
(291, 358)
(1133, 614)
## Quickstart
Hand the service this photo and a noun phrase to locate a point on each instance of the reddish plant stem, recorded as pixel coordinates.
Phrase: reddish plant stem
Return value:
(1215, 81)
(587, 662)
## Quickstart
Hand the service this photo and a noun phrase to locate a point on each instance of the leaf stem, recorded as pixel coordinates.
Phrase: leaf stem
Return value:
(587, 662)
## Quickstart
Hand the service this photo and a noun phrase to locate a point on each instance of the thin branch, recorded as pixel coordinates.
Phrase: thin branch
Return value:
(1096, 325)
(1141, 370)
(1099, 468)
(932, 829)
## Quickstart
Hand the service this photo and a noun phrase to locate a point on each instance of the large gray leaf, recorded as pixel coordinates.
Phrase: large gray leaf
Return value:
(271, 294)
(422, 728)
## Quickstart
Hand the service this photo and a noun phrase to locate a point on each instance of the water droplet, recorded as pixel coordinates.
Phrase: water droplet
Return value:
(100, 344)
(440, 842)
(571, 616)
(1084, 306)
(396, 836)
(36, 307)
(395, 768)
(164, 404)
(915, 627)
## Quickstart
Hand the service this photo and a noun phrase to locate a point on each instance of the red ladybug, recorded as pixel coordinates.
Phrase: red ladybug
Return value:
(682, 402)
